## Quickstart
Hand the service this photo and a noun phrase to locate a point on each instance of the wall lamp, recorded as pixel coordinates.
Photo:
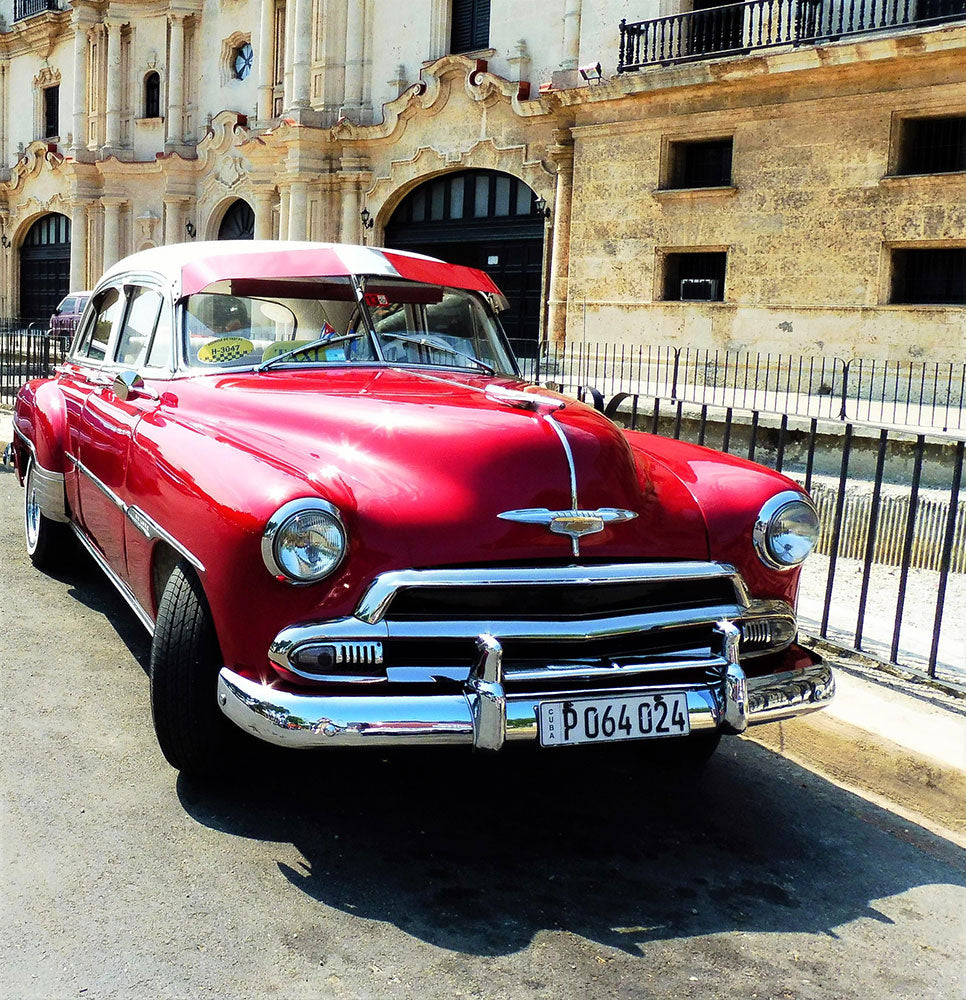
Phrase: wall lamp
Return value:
(543, 208)
(367, 220)
(190, 229)
(4, 242)
(591, 73)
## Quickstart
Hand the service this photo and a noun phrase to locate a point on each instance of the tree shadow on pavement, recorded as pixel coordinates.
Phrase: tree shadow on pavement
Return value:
(478, 855)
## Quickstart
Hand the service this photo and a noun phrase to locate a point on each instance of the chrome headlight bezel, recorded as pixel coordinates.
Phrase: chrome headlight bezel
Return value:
(275, 532)
(768, 515)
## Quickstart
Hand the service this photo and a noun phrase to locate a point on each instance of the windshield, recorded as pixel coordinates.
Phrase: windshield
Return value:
(303, 323)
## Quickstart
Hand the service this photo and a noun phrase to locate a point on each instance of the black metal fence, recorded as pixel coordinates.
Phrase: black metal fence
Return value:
(920, 394)
(889, 574)
(27, 351)
(758, 24)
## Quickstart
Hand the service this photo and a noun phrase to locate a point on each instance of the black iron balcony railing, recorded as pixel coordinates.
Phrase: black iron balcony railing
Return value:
(30, 8)
(758, 24)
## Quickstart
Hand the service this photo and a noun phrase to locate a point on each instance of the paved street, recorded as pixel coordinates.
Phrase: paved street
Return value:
(424, 875)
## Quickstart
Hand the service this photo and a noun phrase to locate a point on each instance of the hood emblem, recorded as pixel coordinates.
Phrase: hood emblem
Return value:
(573, 523)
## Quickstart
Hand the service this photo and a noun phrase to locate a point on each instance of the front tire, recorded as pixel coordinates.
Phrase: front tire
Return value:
(48, 542)
(193, 734)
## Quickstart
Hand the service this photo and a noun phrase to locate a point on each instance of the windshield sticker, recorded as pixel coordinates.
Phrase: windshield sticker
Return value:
(217, 352)
(376, 299)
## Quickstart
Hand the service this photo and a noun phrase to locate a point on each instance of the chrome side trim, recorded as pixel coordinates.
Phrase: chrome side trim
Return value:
(374, 603)
(140, 520)
(122, 588)
(102, 486)
(144, 523)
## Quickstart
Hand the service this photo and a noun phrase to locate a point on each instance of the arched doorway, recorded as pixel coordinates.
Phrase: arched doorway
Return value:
(45, 266)
(485, 219)
(238, 223)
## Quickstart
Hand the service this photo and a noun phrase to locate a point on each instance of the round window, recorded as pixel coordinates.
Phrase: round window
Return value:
(242, 62)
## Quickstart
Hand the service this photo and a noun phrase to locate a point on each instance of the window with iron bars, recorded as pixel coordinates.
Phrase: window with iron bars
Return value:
(705, 163)
(929, 276)
(932, 145)
(694, 275)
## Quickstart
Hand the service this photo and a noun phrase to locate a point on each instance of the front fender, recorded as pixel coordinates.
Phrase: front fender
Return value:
(215, 500)
(730, 492)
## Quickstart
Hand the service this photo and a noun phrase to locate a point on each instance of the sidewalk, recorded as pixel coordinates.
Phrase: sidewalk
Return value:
(897, 742)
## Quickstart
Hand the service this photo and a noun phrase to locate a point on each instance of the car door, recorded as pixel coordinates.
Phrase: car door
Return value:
(108, 422)
(86, 372)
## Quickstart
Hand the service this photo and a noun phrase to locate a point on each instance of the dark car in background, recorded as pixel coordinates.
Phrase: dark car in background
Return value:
(66, 316)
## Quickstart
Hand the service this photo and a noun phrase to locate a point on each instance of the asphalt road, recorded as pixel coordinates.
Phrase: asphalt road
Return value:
(561, 874)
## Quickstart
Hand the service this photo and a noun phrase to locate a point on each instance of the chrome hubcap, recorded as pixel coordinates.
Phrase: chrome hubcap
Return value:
(31, 513)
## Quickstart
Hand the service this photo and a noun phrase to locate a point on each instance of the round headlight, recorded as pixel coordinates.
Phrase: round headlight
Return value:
(786, 530)
(304, 541)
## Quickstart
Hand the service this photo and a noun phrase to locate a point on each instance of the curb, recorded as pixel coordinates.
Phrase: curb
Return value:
(921, 788)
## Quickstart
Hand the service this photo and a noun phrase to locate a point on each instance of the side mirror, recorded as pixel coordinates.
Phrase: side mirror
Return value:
(127, 384)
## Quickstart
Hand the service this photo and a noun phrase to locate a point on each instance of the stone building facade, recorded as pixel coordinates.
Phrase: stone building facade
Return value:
(803, 193)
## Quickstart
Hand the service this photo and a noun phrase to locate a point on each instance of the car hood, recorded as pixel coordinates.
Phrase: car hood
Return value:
(422, 464)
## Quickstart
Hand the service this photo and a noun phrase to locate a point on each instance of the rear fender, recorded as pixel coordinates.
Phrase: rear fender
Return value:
(40, 420)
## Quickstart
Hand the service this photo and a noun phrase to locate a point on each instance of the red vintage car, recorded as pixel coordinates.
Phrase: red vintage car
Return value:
(315, 474)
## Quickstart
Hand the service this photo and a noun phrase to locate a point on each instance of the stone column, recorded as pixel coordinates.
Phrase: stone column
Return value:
(287, 94)
(112, 138)
(283, 214)
(302, 54)
(80, 86)
(266, 49)
(562, 154)
(112, 230)
(263, 214)
(78, 246)
(173, 224)
(175, 122)
(571, 35)
(354, 43)
(298, 210)
(350, 231)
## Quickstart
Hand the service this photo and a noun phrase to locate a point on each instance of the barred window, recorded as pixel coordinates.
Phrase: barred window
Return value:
(932, 145)
(929, 277)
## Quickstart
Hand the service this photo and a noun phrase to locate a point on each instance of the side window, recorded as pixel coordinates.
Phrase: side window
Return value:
(142, 315)
(107, 309)
(160, 356)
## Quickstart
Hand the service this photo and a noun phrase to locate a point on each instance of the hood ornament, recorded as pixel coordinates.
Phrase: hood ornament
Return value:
(573, 523)
(524, 400)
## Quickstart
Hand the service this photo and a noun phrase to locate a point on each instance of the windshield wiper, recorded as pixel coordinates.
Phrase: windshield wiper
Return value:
(435, 346)
(310, 346)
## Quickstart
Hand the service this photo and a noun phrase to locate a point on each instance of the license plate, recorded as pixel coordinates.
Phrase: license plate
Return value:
(606, 720)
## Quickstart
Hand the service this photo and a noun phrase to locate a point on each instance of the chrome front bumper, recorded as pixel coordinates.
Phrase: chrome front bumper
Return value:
(485, 716)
